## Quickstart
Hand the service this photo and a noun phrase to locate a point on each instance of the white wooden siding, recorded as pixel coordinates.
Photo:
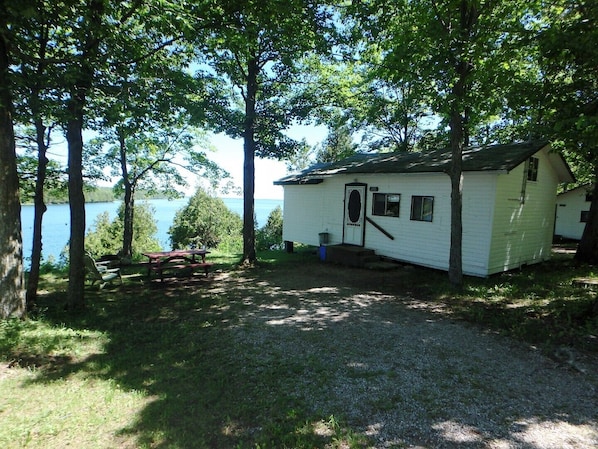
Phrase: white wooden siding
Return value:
(419, 242)
(522, 231)
(499, 232)
(479, 190)
(569, 206)
(310, 210)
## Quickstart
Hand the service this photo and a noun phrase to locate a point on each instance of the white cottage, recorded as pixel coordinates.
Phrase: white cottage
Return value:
(398, 204)
(572, 209)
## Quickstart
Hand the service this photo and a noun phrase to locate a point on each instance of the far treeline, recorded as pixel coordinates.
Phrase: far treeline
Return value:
(151, 80)
(92, 195)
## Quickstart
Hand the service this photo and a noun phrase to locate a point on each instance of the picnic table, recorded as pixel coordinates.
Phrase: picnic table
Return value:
(177, 260)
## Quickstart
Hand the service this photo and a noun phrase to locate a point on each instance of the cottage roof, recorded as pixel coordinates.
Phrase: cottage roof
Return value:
(587, 188)
(482, 158)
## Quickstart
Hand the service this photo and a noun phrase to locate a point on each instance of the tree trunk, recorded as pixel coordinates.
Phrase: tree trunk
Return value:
(458, 135)
(129, 206)
(129, 215)
(587, 249)
(456, 175)
(74, 137)
(459, 130)
(249, 255)
(12, 284)
(42, 141)
(39, 210)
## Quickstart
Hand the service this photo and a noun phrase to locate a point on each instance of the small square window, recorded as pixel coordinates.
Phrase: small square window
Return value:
(532, 168)
(386, 204)
(422, 208)
(584, 216)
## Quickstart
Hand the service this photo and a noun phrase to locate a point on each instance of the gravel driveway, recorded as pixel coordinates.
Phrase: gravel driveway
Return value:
(404, 375)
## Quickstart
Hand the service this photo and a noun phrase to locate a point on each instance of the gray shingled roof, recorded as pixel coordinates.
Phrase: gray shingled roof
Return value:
(482, 158)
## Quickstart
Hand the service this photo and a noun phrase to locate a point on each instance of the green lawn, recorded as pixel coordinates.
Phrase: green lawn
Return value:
(147, 365)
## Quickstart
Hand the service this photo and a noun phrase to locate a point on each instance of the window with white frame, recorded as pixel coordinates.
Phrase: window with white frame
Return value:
(422, 208)
(386, 204)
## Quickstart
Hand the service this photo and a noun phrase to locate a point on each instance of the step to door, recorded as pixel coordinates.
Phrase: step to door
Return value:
(355, 256)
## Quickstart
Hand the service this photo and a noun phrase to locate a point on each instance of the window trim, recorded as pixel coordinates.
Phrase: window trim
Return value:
(386, 203)
(533, 164)
(422, 215)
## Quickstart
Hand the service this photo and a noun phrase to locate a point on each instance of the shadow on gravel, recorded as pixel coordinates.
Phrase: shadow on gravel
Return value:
(310, 355)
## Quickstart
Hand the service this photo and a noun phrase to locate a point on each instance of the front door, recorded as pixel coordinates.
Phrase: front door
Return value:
(354, 219)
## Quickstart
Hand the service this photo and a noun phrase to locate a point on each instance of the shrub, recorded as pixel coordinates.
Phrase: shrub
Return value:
(205, 220)
(106, 236)
(270, 235)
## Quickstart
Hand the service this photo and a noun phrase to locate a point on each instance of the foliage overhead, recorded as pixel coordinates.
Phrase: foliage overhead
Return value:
(269, 39)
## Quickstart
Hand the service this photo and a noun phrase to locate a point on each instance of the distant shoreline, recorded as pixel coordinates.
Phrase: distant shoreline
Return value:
(31, 203)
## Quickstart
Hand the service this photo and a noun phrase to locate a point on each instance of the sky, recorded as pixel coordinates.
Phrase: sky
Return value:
(229, 156)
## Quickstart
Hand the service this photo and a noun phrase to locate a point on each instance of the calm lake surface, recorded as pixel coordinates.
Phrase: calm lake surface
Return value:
(56, 226)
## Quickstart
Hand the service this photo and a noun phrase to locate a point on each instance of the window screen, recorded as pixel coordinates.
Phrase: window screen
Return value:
(386, 204)
(422, 208)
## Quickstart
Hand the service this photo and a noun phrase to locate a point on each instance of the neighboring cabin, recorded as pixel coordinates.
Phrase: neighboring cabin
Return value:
(398, 204)
(572, 209)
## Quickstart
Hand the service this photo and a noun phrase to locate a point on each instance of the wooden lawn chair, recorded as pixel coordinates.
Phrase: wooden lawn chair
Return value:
(99, 272)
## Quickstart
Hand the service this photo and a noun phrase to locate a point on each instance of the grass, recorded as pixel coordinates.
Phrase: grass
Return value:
(538, 304)
(162, 366)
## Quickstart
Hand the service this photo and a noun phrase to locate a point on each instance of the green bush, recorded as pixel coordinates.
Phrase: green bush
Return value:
(206, 220)
(106, 236)
(270, 235)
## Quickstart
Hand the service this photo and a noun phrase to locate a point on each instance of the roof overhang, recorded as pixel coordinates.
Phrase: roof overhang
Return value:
(298, 182)
(561, 167)
(489, 158)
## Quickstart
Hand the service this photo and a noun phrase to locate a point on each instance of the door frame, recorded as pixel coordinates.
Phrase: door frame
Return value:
(362, 188)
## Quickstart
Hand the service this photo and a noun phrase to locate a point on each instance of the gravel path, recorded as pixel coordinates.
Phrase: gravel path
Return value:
(411, 378)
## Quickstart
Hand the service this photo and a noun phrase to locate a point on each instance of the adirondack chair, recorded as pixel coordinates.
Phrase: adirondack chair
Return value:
(99, 272)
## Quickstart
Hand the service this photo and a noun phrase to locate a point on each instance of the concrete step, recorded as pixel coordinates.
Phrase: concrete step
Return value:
(356, 256)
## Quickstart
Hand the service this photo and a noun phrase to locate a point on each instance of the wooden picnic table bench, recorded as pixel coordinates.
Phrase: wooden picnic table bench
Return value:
(177, 261)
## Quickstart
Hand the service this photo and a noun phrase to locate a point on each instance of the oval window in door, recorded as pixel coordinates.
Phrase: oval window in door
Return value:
(354, 206)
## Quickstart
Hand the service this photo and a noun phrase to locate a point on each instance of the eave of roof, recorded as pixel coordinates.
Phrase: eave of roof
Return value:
(483, 158)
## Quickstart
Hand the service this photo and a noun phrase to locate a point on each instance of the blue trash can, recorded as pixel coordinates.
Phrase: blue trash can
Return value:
(322, 253)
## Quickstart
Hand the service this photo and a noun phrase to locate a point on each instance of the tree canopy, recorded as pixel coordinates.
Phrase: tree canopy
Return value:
(399, 75)
(253, 59)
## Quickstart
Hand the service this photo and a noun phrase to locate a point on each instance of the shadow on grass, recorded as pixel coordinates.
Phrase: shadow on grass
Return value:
(299, 354)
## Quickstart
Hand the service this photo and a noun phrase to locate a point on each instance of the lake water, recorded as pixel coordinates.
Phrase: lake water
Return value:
(56, 226)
